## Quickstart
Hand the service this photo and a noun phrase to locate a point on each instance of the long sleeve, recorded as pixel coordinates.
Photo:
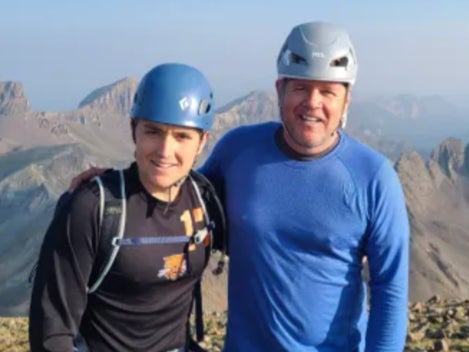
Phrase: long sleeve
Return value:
(387, 250)
(211, 170)
(59, 294)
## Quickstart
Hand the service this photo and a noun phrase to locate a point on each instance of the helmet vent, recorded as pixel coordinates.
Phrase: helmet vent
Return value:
(297, 59)
(204, 107)
(136, 98)
(340, 62)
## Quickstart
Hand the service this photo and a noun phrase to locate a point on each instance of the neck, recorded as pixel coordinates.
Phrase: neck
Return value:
(304, 154)
(165, 194)
(168, 195)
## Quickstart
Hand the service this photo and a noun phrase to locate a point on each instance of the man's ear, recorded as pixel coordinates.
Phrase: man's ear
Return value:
(278, 86)
(348, 98)
(203, 142)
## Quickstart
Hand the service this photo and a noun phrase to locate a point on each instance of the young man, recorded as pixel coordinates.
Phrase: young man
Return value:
(144, 301)
(306, 203)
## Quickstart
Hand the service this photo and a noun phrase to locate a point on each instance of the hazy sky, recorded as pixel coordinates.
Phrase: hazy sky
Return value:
(61, 50)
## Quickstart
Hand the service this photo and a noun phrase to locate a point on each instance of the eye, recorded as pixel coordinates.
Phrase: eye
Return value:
(151, 131)
(329, 91)
(182, 136)
(298, 88)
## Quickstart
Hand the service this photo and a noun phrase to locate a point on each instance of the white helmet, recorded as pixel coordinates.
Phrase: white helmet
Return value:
(318, 51)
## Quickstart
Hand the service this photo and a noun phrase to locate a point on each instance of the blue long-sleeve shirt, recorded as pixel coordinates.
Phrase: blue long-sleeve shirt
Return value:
(298, 233)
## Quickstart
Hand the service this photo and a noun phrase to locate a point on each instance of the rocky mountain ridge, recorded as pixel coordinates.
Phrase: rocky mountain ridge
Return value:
(437, 197)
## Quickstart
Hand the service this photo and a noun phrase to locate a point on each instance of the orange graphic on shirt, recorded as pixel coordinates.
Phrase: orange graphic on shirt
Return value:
(198, 214)
(174, 267)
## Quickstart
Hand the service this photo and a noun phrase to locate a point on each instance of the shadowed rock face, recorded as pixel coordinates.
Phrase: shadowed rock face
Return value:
(12, 99)
(449, 155)
(437, 195)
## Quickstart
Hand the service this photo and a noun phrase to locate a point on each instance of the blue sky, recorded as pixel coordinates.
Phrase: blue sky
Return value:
(61, 50)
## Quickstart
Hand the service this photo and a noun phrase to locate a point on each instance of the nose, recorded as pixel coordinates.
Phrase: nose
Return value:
(314, 98)
(167, 145)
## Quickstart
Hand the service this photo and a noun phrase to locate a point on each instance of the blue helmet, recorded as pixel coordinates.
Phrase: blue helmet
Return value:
(175, 94)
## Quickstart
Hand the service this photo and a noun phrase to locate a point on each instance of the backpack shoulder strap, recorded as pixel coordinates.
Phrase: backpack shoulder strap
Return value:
(215, 220)
(216, 214)
(112, 216)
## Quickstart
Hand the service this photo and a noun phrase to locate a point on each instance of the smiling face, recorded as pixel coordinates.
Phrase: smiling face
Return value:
(165, 154)
(311, 112)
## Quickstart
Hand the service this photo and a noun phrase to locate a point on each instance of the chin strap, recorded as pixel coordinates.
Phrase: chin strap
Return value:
(343, 120)
(178, 183)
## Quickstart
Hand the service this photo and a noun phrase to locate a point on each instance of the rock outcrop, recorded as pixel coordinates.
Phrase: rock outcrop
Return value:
(449, 155)
(438, 325)
(12, 99)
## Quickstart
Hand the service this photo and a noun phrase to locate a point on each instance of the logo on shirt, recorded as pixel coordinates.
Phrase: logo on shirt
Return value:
(174, 267)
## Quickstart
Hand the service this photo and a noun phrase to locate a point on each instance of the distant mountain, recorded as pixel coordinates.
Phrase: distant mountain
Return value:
(255, 107)
(407, 106)
(114, 98)
(102, 122)
(422, 122)
(41, 151)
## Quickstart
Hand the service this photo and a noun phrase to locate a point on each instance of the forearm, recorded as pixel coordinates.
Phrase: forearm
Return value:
(387, 323)
(44, 336)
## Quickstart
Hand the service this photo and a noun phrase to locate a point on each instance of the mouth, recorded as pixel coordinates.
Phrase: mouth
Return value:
(310, 118)
(161, 164)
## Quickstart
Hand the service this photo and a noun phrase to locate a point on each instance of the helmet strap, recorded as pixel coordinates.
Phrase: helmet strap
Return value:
(178, 183)
(343, 120)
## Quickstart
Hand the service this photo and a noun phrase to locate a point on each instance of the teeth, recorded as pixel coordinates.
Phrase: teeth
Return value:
(310, 118)
(163, 165)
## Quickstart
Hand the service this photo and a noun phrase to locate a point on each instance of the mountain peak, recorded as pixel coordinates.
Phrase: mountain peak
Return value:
(449, 155)
(116, 97)
(248, 102)
(12, 99)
